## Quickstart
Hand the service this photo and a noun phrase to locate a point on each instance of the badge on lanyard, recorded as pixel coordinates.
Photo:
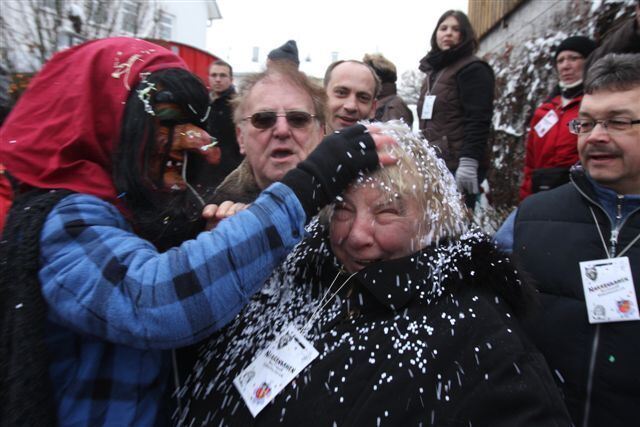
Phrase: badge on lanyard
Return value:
(547, 122)
(427, 107)
(274, 368)
(608, 290)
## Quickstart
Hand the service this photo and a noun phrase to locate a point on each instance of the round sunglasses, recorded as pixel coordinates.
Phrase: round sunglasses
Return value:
(267, 119)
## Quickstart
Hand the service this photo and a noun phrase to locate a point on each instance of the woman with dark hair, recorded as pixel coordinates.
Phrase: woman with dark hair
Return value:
(456, 101)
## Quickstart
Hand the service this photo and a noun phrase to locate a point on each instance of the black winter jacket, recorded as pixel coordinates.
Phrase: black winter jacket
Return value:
(428, 339)
(554, 231)
(219, 125)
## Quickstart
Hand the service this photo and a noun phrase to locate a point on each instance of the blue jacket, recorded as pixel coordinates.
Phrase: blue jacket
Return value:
(116, 305)
(608, 199)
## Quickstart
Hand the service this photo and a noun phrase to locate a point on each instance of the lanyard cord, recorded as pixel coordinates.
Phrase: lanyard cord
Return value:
(629, 245)
(324, 301)
(435, 82)
(604, 245)
(622, 252)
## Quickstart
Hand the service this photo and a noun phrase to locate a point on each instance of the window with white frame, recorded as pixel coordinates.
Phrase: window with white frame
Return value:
(165, 25)
(130, 11)
(97, 11)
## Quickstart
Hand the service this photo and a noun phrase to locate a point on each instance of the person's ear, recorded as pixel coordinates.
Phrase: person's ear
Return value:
(240, 140)
(374, 106)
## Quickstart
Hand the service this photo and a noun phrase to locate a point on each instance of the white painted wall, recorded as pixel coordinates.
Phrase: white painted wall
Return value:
(191, 20)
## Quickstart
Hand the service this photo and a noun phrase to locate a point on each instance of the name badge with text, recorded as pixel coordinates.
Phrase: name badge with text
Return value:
(274, 368)
(427, 107)
(609, 291)
(547, 122)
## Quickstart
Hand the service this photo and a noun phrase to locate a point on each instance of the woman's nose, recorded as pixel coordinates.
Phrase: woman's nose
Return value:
(361, 233)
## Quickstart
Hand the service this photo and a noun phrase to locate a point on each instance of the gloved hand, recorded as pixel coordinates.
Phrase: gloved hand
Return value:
(334, 163)
(467, 175)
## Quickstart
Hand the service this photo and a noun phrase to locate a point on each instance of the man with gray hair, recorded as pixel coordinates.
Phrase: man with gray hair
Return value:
(580, 243)
(279, 116)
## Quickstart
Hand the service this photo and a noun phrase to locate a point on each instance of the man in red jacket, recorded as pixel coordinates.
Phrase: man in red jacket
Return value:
(551, 148)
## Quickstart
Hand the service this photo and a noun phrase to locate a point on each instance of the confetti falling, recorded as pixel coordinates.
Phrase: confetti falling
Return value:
(399, 343)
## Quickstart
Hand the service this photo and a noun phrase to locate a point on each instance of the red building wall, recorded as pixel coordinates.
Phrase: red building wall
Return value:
(198, 60)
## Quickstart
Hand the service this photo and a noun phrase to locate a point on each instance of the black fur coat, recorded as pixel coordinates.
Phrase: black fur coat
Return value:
(430, 338)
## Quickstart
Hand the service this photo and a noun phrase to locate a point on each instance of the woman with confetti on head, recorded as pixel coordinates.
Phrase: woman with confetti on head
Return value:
(394, 314)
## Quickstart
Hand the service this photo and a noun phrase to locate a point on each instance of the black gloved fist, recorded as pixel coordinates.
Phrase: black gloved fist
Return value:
(335, 162)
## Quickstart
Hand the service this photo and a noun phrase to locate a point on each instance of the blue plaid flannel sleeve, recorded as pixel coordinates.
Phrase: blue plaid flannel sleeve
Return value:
(99, 278)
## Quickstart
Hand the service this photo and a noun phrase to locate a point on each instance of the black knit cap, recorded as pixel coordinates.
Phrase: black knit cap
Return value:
(583, 45)
(288, 51)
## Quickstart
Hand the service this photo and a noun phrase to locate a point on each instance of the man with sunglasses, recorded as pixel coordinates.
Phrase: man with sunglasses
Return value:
(580, 243)
(280, 117)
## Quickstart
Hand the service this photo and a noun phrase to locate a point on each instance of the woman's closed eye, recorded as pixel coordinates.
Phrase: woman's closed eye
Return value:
(388, 213)
(342, 212)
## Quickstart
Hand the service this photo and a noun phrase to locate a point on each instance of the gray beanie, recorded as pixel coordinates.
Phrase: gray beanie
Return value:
(288, 51)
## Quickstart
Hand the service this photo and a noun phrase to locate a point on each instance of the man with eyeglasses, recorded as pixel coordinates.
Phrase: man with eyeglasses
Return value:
(580, 243)
(551, 148)
(352, 87)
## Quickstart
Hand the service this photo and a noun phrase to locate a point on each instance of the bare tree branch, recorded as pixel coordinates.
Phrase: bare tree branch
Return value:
(409, 87)
(32, 30)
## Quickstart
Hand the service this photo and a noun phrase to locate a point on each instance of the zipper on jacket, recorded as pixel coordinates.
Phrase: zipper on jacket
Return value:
(613, 240)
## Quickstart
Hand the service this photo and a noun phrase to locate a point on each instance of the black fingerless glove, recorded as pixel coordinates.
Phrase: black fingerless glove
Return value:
(335, 162)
